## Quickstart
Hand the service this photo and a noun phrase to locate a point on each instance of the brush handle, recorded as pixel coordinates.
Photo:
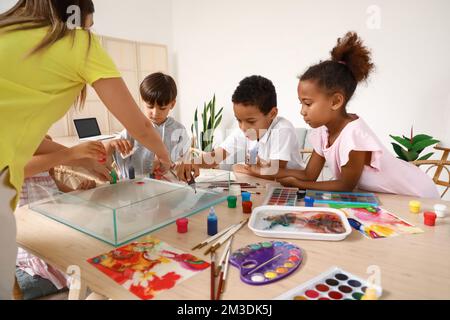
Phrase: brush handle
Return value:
(220, 287)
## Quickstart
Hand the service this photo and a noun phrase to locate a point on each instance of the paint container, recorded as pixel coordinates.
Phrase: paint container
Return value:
(247, 207)
(266, 262)
(301, 194)
(235, 190)
(182, 225)
(212, 222)
(113, 175)
(334, 284)
(429, 219)
(309, 202)
(131, 174)
(414, 206)
(440, 209)
(281, 196)
(232, 200)
(246, 196)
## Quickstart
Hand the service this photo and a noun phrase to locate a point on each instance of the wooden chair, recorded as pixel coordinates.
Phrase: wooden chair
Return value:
(440, 165)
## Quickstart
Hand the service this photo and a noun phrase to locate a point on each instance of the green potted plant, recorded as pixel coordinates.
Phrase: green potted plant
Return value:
(409, 149)
(203, 138)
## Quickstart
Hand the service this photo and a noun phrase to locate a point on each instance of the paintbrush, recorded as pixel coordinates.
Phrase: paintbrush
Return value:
(222, 258)
(213, 278)
(224, 275)
(214, 237)
(264, 263)
(225, 237)
(192, 183)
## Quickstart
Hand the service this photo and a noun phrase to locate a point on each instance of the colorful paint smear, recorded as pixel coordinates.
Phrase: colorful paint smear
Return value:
(379, 224)
(309, 221)
(149, 267)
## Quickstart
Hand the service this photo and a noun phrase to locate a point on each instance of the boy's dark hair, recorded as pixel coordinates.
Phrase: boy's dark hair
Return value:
(257, 91)
(350, 64)
(158, 88)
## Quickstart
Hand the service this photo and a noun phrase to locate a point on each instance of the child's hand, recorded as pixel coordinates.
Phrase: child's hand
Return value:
(90, 150)
(242, 168)
(290, 182)
(86, 185)
(185, 171)
(122, 145)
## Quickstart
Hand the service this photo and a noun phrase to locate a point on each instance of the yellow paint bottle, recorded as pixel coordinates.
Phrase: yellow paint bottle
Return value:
(371, 294)
(414, 206)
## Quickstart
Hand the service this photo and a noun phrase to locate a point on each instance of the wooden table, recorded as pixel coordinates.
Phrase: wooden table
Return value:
(412, 266)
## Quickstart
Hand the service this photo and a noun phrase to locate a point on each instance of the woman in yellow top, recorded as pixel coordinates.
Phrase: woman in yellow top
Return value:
(45, 64)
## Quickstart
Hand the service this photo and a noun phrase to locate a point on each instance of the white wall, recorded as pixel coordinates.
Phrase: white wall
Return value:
(217, 43)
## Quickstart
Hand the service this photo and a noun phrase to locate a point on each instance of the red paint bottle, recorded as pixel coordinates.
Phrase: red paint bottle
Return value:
(182, 225)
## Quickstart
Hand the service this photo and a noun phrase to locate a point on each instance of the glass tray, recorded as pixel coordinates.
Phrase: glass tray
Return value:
(119, 213)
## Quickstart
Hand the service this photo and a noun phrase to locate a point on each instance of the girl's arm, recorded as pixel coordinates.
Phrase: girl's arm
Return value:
(311, 173)
(115, 95)
(348, 180)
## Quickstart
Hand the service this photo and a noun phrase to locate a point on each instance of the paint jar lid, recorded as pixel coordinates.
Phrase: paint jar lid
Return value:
(414, 203)
(246, 196)
(235, 190)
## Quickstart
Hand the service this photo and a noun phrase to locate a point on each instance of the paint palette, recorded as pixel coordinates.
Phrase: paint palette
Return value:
(266, 262)
(334, 284)
(350, 198)
(299, 223)
(281, 196)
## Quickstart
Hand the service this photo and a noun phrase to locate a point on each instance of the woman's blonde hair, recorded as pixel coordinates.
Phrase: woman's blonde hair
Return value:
(33, 14)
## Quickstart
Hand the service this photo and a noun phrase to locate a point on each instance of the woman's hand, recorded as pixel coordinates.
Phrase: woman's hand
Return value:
(122, 145)
(100, 171)
(89, 150)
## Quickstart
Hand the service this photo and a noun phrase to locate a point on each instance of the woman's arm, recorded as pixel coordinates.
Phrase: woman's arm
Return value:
(51, 154)
(115, 95)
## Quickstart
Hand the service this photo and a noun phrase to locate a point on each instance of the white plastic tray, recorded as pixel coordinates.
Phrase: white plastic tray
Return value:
(260, 227)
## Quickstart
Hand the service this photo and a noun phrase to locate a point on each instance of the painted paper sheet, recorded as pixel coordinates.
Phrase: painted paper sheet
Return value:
(379, 224)
(148, 267)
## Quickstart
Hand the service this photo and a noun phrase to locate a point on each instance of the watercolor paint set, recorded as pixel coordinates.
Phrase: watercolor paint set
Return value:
(345, 198)
(266, 262)
(318, 223)
(281, 196)
(334, 284)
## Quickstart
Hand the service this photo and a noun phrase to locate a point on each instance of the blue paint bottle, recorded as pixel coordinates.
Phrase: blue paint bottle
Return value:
(212, 222)
(131, 174)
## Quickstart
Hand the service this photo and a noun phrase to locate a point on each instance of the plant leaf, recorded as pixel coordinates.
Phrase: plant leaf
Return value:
(410, 155)
(423, 144)
(421, 137)
(404, 142)
(398, 150)
(218, 122)
(426, 157)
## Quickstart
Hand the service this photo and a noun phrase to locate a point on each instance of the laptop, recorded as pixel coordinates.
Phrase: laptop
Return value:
(88, 130)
